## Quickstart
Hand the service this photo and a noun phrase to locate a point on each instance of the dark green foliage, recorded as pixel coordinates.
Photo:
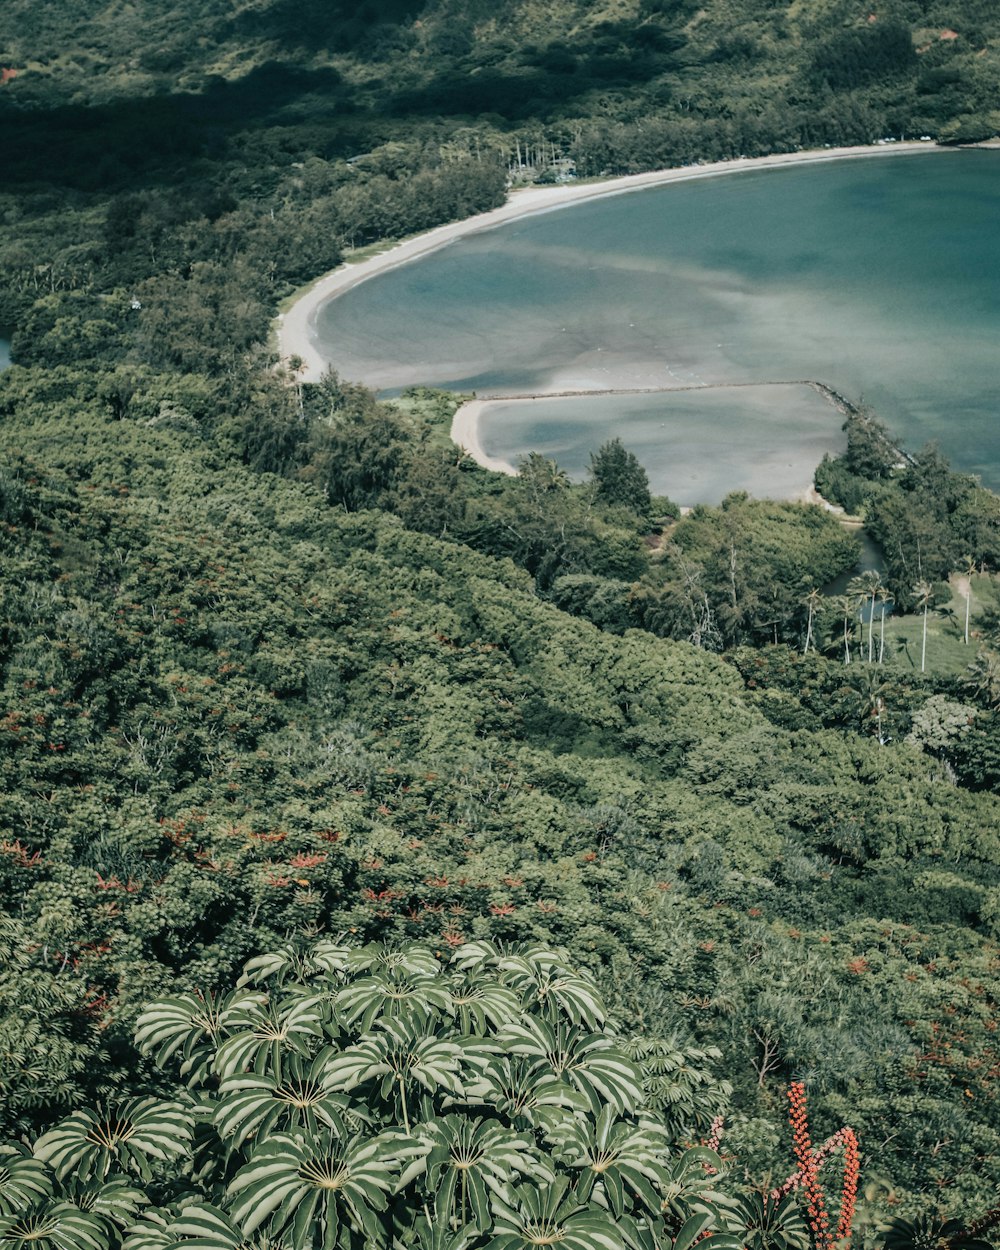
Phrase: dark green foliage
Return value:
(619, 478)
(871, 452)
(863, 55)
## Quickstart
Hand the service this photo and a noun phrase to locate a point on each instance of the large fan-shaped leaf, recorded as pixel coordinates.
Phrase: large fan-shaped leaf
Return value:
(263, 1032)
(652, 1233)
(691, 1184)
(403, 961)
(290, 963)
(545, 979)
(402, 1055)
(763, 1222)
(928, 1232)
(88, 1143)
(191, 1025)
(589, 1061)
(256, 1104)
(203, 1227)
(520, 1088)
(618, 1161)
(534, 1217)
(430, 1234)
(307, 1189)
(54, 1226)
(481, 1006)
(475, 957)
(364, 1001)
(23, 1181)
(471, 1158)
(152, 1232)
(117, 1200)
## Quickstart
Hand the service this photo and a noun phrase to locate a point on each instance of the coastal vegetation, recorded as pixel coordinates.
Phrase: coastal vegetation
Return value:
(478, 842)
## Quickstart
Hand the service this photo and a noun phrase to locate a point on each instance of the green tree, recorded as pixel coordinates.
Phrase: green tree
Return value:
(619, 479)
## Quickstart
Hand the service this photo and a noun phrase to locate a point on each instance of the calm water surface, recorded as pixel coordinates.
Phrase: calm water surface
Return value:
(4, 353)
(880, 278)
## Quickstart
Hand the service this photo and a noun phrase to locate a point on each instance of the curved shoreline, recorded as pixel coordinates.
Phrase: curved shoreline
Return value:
(294, 327)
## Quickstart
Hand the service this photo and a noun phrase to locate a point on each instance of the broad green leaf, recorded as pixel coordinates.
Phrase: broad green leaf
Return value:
(368, 999)
(263, 1032)
(289, 963)
(549, 1216)
(620, 1162)
(191, 1025)
(23, 1181)
(54, 1226)
(88, 1143)
(469, 1159)
(588, 1061)
(306, 1189)
(252, 1104)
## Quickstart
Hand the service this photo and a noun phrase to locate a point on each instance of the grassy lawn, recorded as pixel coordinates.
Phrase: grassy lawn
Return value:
(947, 651)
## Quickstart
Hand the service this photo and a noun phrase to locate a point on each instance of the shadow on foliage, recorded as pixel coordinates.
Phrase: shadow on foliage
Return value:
(109, 146)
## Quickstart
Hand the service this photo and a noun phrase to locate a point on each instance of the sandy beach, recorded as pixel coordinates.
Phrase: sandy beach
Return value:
(294, 327)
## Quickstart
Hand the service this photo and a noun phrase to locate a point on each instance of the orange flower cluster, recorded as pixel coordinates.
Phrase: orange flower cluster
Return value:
(807, 1174)
(849, 1194)
(819, 1221)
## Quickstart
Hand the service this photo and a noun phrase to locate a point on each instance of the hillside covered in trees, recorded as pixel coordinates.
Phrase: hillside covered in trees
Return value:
(550, 827)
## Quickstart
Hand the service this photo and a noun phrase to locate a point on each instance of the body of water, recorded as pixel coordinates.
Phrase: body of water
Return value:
(4, 353)
(879, 278)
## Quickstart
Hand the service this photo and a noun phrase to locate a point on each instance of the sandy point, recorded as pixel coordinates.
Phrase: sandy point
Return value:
(465, 434)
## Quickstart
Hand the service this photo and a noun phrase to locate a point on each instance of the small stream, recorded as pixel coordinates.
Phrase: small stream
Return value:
(871, 560)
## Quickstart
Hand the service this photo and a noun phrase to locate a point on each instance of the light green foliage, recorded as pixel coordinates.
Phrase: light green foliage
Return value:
(350, 1165)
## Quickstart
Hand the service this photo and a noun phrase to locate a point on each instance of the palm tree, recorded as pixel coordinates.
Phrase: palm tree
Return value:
(985, 676)
(863, 588)
(925, 593)
(871, 689)
(966, 579)
(884, 597)
(848, 605)
(873, 584)
(812, 602)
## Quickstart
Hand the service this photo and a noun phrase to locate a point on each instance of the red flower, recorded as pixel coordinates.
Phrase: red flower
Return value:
(302, 860)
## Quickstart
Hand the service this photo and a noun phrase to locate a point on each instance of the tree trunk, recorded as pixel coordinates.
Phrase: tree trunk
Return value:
(923, 645)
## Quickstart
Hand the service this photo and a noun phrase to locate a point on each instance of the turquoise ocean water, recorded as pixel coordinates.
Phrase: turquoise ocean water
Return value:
(879, 278)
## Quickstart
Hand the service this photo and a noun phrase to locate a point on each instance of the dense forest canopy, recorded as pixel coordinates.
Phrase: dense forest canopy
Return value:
(549, 826)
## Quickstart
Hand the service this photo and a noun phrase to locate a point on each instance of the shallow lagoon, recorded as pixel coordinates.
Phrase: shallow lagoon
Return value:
(879, 278)
(687, 441)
